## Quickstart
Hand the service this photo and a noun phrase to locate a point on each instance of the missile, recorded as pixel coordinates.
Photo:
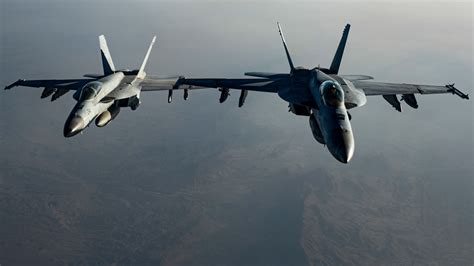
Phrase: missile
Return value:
(170, 96)
(410, 100)
(393, 101)
(48, 92)
(450, 87)
(224, 94)
(18, 82)
(58, 93)
(186, 94)
(243, 96)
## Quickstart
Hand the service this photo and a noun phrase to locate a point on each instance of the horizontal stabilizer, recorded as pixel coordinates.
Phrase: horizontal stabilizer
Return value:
(266, 75)
(356, 77)
(94, 76)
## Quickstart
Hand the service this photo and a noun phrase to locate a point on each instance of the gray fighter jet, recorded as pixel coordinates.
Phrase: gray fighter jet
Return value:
(323, 95)
(101, 96)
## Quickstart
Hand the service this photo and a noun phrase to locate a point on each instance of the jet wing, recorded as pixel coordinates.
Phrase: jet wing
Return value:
(356, 77)
(267, 75)
(263, 85)
(69, 84)
(382, 88)
(150, 83)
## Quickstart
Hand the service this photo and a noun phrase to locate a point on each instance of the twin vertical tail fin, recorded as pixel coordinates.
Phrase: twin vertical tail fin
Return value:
(336, 61)
(107, 63)
(141, 73)
(290, 62)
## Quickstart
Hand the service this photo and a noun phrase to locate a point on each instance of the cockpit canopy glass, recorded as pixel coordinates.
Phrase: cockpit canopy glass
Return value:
(333, 95)
(90, 91)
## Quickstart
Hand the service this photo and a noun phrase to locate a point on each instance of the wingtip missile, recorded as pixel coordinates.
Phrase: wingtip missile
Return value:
(8, 87)
(457, 92)
(14, 84)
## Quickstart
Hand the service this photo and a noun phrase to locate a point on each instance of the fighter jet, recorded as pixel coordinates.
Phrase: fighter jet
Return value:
(101, 96)
(323, 95)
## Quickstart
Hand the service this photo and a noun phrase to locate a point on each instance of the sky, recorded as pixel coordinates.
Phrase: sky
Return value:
(226, 185)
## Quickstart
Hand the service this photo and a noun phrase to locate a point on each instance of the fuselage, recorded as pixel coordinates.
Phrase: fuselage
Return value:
(327, 97)
(332, 116)
(91, 103)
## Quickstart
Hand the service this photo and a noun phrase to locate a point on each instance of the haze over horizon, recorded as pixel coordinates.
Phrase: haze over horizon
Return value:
(203, 183)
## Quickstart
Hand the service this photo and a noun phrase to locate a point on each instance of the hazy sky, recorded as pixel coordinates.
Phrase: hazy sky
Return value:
(185, 147)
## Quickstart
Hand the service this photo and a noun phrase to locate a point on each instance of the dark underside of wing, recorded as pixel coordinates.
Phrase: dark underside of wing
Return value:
(69, 84)
(151, 83)
(383, 88)
(391, 91)
(52, 87)
(263, 85)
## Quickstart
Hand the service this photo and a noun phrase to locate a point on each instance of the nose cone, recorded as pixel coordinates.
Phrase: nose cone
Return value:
(344, 153)
(73, 126)
(344, 147)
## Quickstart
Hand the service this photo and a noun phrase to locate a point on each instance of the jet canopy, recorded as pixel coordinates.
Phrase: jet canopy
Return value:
(90, 91)
(332, 94)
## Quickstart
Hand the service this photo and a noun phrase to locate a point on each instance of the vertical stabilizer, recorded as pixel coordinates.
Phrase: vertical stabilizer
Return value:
(290, 62)
(336, 61)
(141, 72)
(107, 63)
